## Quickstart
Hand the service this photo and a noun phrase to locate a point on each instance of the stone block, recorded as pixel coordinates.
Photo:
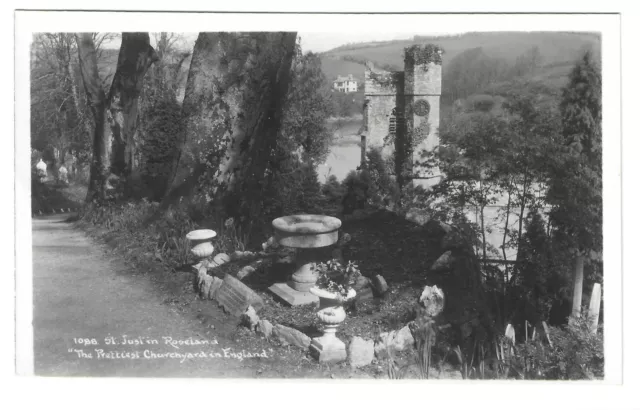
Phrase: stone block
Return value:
(360, 352)
(328, 349)
(443, 263)
(250, 318)
(290, 336)
(235, 297)
(379, 285)
(264, 327)
(291, 296)
(221, 259)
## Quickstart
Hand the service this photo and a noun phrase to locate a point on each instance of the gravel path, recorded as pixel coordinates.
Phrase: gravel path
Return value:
(81, 292)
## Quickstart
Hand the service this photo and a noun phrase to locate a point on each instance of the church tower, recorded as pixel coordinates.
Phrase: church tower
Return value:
(422, 90)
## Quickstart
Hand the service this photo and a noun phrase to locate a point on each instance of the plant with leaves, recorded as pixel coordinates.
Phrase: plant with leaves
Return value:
(575, 185)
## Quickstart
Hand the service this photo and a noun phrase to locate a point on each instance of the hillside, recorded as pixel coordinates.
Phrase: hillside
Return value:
(466, 53)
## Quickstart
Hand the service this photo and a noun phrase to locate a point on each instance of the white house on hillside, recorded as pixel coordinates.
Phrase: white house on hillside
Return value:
(346, 84)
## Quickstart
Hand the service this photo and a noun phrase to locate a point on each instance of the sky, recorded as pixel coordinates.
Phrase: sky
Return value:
(318, 42)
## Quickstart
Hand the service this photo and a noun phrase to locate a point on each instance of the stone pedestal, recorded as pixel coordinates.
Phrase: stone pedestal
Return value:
(307, 234)
(291, 296)
(328, 348)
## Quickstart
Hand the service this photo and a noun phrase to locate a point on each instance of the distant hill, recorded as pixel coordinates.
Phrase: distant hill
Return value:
(468, 53)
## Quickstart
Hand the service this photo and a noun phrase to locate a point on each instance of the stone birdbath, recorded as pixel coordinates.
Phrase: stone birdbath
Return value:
(307, 234)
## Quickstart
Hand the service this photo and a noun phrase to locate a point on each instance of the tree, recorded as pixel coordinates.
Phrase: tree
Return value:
(116, 114)
(575, 191)
(234, 99)
(309, 105)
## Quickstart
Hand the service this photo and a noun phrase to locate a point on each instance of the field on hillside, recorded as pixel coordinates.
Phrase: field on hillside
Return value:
(554, 46)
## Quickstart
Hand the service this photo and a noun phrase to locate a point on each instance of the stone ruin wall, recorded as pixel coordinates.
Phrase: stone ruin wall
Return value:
(381, 94)
(386, 90)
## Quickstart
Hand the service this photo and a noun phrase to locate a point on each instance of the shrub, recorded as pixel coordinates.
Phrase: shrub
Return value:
(575, 354)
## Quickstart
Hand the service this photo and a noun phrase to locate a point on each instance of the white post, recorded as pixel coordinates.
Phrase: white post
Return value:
(594, 308)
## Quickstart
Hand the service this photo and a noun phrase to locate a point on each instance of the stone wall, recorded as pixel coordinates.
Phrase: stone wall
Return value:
(380, 92)
(416, 93)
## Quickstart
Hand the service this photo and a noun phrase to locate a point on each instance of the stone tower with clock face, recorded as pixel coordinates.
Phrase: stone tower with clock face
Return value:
(402, 112)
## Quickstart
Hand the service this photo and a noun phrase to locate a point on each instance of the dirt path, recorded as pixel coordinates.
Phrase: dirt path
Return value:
(80, 292)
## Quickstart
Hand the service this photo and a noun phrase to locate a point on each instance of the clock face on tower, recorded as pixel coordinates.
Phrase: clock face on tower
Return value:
(421, 108)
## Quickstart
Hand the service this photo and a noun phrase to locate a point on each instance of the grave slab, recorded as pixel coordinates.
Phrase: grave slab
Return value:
(235, 297)
(291, 296)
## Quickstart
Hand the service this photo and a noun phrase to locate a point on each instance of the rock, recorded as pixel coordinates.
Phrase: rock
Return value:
(379, 285)
(246, 271)
(398, 341)
(287, 336)
(250, 318)
(217, 282)
(241, 255)
(264, 327)
(443, 263)
(432, 300)
(202, 275)
(221, 259)
(204, 289)
(417, 216)
(403, 339)
(360, 352)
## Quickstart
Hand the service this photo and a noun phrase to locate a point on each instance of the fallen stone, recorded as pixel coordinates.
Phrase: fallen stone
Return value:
(443, 262)
(221, 259)
(289, 336)
(241, 255)
(397, 340)
(202, 275)
(250, 318)
(246, 271)
(379, 285)
(264, 327)
(217, 282)
(432, 300)
(204, 289)
(360, 352)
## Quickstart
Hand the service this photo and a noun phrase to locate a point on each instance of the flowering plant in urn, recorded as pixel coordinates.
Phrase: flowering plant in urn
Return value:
(335, 278)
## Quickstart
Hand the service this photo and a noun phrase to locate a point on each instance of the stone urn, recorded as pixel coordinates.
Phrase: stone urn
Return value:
(200, 241)
(328, 348)
(307, 234)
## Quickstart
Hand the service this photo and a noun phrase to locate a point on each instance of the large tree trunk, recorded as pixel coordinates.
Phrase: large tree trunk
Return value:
(115, 117)
(100, 163)
(135, 58)
(233, 103)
